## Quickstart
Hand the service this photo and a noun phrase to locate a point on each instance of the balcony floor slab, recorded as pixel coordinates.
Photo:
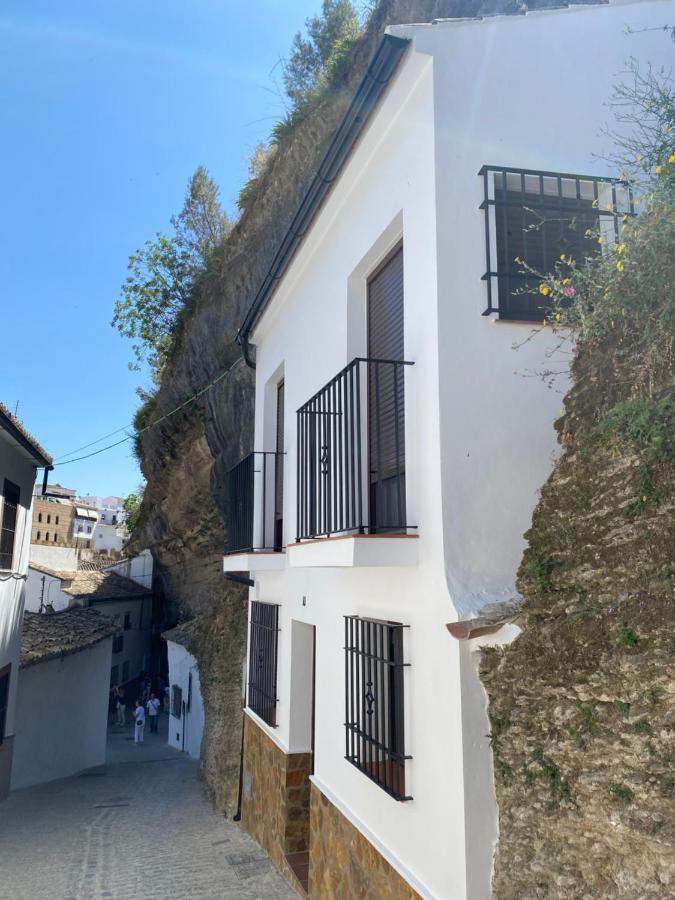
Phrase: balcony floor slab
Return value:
(260, 561)
(367, 550)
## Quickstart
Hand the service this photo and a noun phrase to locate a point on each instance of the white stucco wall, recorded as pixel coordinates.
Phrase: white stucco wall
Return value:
(62, 716)
(137, 568)
(106, 537)
(12, 592)
(51, 593)
(186, 733)
(528, 92)
(136, 643)
(62, 559)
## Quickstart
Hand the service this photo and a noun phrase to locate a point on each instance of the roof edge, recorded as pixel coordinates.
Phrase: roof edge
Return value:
(372, 86)
(12, 425)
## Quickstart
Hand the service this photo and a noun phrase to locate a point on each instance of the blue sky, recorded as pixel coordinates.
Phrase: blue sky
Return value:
(105, 111)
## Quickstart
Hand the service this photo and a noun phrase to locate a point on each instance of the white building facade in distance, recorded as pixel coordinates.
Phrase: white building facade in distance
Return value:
(62, 707)
(186, 709)
(401, 440)
(20, 456)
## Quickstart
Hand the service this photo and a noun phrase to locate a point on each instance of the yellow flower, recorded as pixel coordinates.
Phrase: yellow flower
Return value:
(659, 169)
(562, 257)
(619, 266)
(565, 281)
(621, 248)
(544, 289)
(671, 158)
(599, 240)
(557, 317)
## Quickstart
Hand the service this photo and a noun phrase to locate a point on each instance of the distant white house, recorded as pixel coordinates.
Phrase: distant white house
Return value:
(62, 705)
(84, 522)
(127, 602)
(108, 538)
(20, 456)
(186, 720)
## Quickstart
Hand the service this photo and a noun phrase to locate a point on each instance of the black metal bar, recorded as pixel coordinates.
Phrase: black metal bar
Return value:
(243, 499)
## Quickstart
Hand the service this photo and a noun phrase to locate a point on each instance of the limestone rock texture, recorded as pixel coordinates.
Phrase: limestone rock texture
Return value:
(582, 704)
(186, 456)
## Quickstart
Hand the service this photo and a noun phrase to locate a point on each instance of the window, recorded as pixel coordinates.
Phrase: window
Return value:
(49, 518)
(56, 537)
(127, 621)
(38, 536)
(46, 535)
(88, 529)
(176, 701)
(262, 661)
(102, 517)
(535, 217)
(114, 676)
(10, 514)
(118, 643)
(4, 700)
(56, 520)
(125, 671)
(374, 731)
(39, 517)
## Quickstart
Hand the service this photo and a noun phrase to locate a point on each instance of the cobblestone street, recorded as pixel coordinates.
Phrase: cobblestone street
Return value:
(139, 827)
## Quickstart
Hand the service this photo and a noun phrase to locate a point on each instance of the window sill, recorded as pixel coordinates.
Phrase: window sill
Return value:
(353, 551)
(259, 561)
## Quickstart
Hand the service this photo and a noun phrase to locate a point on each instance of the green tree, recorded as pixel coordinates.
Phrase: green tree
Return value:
(163, 273)
(132, 507)
(314, 59)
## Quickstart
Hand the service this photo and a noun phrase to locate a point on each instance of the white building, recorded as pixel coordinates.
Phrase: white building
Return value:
(396, 498)
(186, 711)
(107, 538)
(20, 455)
(124, 600)
(62, 706)
(84, 522)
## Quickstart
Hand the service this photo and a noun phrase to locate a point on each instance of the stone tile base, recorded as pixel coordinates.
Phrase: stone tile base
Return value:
(343, 863)
(275, 796)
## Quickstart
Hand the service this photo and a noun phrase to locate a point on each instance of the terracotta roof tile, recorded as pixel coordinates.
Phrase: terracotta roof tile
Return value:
(51, 635)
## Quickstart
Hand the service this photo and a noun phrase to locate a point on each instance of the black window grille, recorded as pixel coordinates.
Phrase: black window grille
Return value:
(4, 700)
(374, 716)
(536, 216)
(118, 643)
(176, 701)
(10, 515)
(262, 661)
(253, 490)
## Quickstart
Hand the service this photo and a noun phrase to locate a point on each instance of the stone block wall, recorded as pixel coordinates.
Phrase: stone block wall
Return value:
(343, 863)
(275, 797)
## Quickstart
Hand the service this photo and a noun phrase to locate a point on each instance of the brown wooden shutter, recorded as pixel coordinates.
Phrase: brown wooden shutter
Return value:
(386, 406)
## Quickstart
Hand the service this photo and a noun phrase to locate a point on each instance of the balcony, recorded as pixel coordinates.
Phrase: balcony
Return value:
(351, 481)
(255, 504)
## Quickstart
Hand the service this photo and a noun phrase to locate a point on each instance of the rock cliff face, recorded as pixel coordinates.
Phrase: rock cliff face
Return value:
(185, 459)
(582, 705)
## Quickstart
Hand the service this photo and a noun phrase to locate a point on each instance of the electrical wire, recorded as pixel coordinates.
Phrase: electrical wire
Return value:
(150, 425)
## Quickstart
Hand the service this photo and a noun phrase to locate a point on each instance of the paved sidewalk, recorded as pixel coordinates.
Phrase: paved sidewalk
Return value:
(138, 828)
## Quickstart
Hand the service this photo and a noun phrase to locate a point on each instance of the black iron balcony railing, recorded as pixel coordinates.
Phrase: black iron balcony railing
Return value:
(255, 495)
(351, 453)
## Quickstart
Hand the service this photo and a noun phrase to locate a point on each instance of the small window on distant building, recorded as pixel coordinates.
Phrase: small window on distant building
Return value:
(37, 536)
(118, 643)
(47, 536)
(125, 671)
(4, 700)
(88, 529)
(532, 218)
(49, 519)
(114, 676)
(56, 537)
(39, 517)
(102, 517)
(127, 621)
(56, 520)
(176, 701)
(10, 513)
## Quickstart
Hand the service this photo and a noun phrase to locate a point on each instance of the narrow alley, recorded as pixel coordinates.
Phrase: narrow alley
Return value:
(139, 827)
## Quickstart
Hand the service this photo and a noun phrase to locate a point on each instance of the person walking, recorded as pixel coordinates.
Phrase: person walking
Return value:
(121, 707)
(139, 721)
(153, 706)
